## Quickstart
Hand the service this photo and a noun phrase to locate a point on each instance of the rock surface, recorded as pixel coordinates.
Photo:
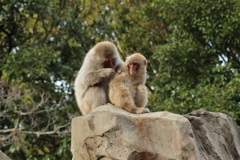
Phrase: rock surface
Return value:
(3, 156)
(216, 135)
(110, 133)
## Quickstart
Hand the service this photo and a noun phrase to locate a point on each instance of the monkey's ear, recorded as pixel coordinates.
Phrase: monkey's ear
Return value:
(145, 62)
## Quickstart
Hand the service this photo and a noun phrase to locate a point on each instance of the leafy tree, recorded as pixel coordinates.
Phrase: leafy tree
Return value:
(192, 49)
(199, 63)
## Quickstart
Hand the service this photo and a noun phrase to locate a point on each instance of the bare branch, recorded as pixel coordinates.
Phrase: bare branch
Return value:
(56, 131)
(11, 96)
(7, 130)
(43, 101)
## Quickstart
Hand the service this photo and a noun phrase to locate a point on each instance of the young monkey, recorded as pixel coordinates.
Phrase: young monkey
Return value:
(127, 90)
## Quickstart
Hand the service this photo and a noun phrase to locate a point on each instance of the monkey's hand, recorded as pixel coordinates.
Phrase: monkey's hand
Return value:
(119, 69)
(107, 72)
(141, 87)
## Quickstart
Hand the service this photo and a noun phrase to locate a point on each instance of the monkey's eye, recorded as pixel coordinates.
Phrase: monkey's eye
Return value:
(134, 64)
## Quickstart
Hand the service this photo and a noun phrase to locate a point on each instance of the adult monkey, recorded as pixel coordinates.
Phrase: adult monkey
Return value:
(91, 84)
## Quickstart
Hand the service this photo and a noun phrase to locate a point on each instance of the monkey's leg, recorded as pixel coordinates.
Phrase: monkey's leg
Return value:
(123, 98)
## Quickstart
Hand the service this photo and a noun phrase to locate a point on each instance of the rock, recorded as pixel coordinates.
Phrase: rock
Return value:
(3, 156)
(109, 133)
(216, 135)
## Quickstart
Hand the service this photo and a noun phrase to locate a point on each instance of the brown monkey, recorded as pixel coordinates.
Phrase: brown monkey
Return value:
(91, 83)
(127, 90)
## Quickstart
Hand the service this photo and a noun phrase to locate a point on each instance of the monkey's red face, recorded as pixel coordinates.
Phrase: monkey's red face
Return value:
(133, 68)
(110, 63)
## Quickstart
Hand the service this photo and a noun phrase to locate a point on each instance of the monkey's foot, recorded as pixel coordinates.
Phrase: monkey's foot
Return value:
(146, 110)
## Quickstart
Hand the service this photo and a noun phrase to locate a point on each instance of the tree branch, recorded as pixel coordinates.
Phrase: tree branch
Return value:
(38, 133)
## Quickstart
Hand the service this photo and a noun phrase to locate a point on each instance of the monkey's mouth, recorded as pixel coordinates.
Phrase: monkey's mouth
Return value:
(132, 71)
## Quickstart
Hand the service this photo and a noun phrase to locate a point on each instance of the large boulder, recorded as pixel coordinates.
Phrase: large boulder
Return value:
(110, 133)
(217, 135)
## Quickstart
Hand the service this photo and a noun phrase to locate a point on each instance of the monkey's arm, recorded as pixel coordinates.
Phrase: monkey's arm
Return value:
(97, 76)
(140, 95)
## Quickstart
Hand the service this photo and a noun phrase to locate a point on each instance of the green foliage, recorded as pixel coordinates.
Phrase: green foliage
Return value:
(199, 65)
(35, 62)
(40, 54)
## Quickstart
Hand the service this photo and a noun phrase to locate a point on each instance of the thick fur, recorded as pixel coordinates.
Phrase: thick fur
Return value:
(91, 83)
(128, 91)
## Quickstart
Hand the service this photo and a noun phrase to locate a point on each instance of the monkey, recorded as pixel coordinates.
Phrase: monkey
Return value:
(127, 89)
(91, 83)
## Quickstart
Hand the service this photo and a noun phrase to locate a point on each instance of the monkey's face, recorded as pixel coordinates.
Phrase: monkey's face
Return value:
(110, 63)
(133, 67)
